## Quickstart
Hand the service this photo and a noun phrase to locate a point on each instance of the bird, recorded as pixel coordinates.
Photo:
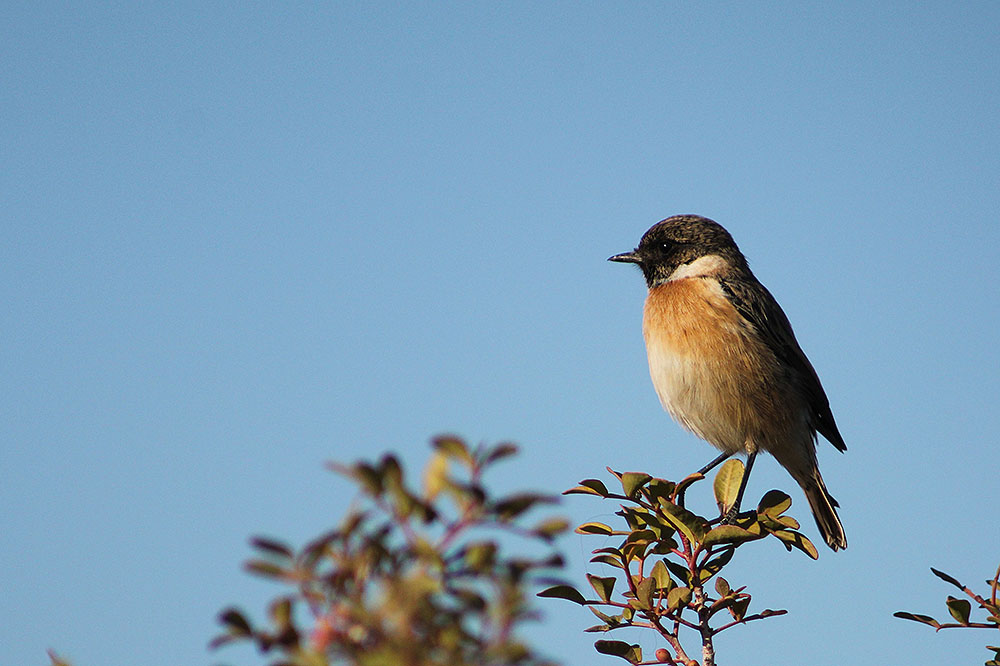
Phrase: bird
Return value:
(724, 361)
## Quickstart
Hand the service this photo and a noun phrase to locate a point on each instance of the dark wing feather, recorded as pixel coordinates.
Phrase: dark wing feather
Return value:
(756, 304)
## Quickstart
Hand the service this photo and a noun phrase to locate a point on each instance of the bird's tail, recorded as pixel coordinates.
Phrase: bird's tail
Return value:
(824, 511)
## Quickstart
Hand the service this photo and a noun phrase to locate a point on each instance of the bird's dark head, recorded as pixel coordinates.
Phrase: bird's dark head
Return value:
(671, 248)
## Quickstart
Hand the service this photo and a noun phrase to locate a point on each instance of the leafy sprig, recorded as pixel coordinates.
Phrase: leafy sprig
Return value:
(667, 557)
(961, 610)
(411, 575)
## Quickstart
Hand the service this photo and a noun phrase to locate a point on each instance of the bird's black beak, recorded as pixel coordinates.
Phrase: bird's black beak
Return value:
(627, 258)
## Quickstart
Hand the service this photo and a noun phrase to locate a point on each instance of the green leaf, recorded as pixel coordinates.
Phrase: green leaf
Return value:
(598, 628)
(361, 473)
(470, 599)
(281, 611)
(724, 534)
(641, 536)
(678, 597)
(633, 481)
(589, 487)
(235, 622)
(636, 517)
(610, 550)
(392, 471)
(266, 569)
(511, 507)
(480, 555)
(665, 545)
(690, 525)
(604, 587)
(595, 528)
(435, 475)
(657, 489)
(499, 452)
(550, 528)
(662, 576)
(454, 447)
(788, 522)
(636, 543)
(797, 540)
(679, 571)
(774, 503)
(316, 549)
(566, 592)
(644, 593)
(739, 608)
(923, 619)
(610, 560)
(948, 579)
(727, 484)
(630, 653)
(714, 565)
(722, 586)
(959, 609)
(271, 546)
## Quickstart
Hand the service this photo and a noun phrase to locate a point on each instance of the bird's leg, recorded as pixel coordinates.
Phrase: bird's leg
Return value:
(734, 510)
(704, 470)
(715, 463)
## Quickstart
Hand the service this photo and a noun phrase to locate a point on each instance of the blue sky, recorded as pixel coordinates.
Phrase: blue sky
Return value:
(244, 239)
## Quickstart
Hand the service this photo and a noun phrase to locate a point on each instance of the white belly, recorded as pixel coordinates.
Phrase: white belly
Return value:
(692, 393)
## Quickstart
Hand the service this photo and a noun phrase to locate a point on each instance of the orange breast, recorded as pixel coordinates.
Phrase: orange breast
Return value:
(693, 318)
(711, 372)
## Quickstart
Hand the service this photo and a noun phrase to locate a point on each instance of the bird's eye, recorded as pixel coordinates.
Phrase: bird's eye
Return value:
(666, 246)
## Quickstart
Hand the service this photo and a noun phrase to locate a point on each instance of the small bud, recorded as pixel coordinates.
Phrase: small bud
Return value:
(663, 656)
(323, 634)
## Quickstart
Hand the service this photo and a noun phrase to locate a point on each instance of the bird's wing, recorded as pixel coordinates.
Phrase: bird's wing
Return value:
(756, 304)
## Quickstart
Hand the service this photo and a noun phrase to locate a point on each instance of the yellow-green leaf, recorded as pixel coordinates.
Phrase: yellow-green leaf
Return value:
(727, 484)
(435, 475)
(728, 534)
(644, 593)
(923, 619)
(564, 592)
(774, 503)
(959, 609)
(594, 528)
(630, 653)
(690, 525)
(603, 586)
(678, 597)
(454, 447)
(589, 487)
(661, 575)
(797, 540)
(633, 481)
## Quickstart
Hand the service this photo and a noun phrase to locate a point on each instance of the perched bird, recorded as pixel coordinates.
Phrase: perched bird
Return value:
(724, 361)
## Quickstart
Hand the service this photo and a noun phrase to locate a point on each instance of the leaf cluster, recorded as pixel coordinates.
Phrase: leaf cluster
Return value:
(666, 557)
(961, 610)
(412, 577)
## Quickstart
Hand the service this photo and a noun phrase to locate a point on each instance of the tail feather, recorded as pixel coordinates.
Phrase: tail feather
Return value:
(824, 511)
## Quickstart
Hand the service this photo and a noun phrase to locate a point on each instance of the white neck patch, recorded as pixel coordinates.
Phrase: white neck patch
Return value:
(710, 264)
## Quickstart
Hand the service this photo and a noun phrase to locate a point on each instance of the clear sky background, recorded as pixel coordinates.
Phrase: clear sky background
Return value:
(240, 240)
